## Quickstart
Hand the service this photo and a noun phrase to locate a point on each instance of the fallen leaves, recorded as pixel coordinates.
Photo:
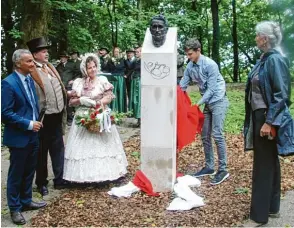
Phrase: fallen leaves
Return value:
(226, 204)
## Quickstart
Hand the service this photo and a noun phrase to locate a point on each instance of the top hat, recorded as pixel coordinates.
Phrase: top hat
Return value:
(104, 48)
(37, 44)
(63, 54)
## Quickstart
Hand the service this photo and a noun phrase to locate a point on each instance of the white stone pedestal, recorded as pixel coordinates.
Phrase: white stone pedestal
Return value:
(159, 111)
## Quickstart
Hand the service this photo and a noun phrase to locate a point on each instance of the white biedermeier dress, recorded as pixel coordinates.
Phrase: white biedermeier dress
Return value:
(93, 157)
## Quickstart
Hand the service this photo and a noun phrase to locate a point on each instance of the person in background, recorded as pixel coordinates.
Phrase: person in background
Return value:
(205, 73)
(267, 127)
(52, 98)
(180, 67)
(129, 69)
(135, 95)
(66, 70)
(119, 85)
(74, 57)
(20, 113)
(105, 60)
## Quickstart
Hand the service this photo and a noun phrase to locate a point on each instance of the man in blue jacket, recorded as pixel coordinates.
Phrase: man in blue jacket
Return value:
(20, 112)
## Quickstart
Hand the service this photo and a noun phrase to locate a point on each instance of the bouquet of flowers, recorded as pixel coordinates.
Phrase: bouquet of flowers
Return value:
(98, 119)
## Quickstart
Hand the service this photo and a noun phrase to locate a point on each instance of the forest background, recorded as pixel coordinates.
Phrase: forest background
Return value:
(224, 27)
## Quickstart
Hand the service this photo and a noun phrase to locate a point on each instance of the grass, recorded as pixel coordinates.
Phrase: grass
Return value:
(236, 112)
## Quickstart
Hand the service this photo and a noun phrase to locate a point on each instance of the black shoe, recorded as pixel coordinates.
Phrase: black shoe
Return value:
(17, 218)
(274, 215)
(43, 190)
(219, 177)
(62, 185)
(34, 206)
(204, 172)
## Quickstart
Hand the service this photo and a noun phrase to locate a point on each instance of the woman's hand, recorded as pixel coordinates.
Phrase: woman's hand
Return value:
(72, 93)
(74, 102)
(265, 130)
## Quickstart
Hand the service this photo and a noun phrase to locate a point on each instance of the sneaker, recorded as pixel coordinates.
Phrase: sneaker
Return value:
(204, 172)
(219, 177)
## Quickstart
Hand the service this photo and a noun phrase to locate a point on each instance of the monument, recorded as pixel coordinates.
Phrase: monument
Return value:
(159, 105)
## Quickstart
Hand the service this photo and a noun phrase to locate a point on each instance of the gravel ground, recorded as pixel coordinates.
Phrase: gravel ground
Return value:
(126, 131)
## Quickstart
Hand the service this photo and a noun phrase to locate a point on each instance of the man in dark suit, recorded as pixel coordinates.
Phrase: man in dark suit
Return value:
(129, 65)
(66, 70)
(20, 112)
(74, 57)
(107, 66)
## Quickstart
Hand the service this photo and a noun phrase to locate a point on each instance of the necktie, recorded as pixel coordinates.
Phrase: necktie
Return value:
(31, 97)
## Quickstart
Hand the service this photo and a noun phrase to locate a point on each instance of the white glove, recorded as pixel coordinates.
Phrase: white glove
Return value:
(86, 101)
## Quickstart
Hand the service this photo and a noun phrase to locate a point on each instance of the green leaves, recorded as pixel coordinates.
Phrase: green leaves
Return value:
(241, 190)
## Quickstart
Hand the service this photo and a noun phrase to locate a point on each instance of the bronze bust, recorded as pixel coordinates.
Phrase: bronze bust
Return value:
(158, 29)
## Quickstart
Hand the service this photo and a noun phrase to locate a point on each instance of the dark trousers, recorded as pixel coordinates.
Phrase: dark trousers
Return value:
(51, 139)
(70, 110)
(266, 176)
(128, 86)
(23, 162)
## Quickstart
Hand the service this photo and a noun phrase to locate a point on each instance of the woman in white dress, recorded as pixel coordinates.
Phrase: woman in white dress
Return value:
(92, 157)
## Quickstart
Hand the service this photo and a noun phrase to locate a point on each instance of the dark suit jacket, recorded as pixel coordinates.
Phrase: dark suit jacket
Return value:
(129, 65)
(16, 112)
(66, 72)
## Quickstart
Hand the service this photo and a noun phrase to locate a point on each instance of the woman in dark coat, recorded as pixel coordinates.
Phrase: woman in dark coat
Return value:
(268, 127)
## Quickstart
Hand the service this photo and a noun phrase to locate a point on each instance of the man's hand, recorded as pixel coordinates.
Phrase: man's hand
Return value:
(265, 130)
(37, 126)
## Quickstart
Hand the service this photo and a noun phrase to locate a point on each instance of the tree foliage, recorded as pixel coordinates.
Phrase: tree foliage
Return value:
(88, 24)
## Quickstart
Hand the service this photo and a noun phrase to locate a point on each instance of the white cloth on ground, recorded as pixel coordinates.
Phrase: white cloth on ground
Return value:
(189, 181)
(186, 199)
(124, 191)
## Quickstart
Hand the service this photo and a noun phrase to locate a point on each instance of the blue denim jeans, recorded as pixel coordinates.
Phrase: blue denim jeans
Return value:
(215, 115)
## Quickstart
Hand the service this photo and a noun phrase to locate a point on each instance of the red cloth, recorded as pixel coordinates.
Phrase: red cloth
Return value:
(142, 182)
(179, 174)
(189, 120)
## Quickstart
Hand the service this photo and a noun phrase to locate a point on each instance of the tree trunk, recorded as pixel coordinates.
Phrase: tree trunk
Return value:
(8, 43)
(111, 22)
(235, 44)
(35, 20)
(137, 31)
(207, 35)
(116, 24)
(63, 37)
(216, 32)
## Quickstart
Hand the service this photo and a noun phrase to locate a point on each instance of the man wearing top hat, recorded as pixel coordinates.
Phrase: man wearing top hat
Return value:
(129, 62)
(66, 70)
(107, 66)
(52, 97)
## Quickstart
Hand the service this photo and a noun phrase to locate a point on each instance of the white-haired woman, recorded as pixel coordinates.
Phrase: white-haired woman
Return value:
(91, 157)
(268, 127)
